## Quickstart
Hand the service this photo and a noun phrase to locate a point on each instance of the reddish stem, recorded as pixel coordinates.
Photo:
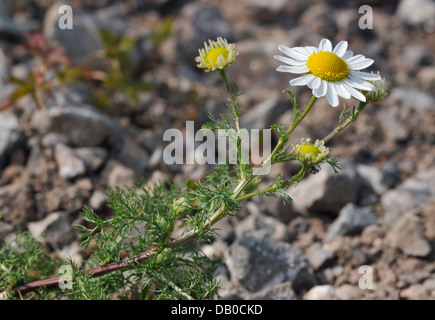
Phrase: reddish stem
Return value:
(94, 272)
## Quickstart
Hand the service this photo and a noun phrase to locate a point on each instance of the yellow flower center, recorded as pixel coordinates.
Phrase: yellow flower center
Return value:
(328, 66)
(309, 149)
(212, 57)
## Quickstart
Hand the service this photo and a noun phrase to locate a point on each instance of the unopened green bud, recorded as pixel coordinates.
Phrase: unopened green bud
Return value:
(180, 206)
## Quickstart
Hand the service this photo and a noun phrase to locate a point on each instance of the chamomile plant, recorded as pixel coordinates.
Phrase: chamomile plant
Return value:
(150, 248)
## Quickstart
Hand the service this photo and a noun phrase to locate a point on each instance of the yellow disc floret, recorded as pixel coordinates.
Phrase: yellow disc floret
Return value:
(309, 153)
(212, 57)
(309, 149)
(327, 66)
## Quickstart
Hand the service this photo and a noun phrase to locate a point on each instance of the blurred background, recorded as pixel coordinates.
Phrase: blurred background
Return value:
(87, 107)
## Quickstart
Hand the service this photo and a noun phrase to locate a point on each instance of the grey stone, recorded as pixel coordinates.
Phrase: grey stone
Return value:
(320, 257)
(52, 138)
(412, 56)
(415, 291)
(372, 184)
(275, 207)
(68, 199)
(17, 204)
(372, 235)
(264, 114)
(8, 27)
(69, 165)
(392, 128)
(417, 13)
(4, 67)
(412, 194)
(348, 292)
(10, 134)
(93, 158)
(390, 174)
(132, 155)
(79, 42)
(98, 200)
(351, 220)
(121, 176)
(56, 229)
(85, 126)
(258, 264)
(37, 164)
(112, 18)
(408, 236)
(196, 24)
(261, 225)
(319, 17)
(281, 291)
(7, 7)
(326, 191)
(268, 11)
(426, 76)
(429, 284)
(414, 98)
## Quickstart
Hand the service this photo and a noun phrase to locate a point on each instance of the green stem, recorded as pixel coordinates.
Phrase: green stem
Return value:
(295, 123)
(277, 185)
(298, 120)
(233, 102)
(351, 119)
(215, 217)
(226, 83)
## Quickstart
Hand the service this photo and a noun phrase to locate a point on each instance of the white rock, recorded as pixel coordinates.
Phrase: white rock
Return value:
(10, 132)
(56, 229)
(98, 200)
(321, 292)
(69, 165)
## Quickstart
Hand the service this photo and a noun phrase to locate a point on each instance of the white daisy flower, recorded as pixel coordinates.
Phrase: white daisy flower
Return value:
(216, 55)
(329, 72)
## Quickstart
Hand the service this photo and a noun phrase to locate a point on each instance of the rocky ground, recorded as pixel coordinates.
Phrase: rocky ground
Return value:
(366, 233)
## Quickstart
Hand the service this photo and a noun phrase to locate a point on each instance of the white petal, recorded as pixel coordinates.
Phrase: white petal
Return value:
(321, 90)
(284, 49)
(301, 81)
(302, 50)
(312, 49)
(341, 90)
(292, 69)
(365, 75)
(360, 64)
(340, 48)
(355, 93)
(290, 61)
(325, 45)
(361, 84)
(292, 53)
(357, 58)
(347, 55)
(314, 83)
(298, 55)
(331, 95)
